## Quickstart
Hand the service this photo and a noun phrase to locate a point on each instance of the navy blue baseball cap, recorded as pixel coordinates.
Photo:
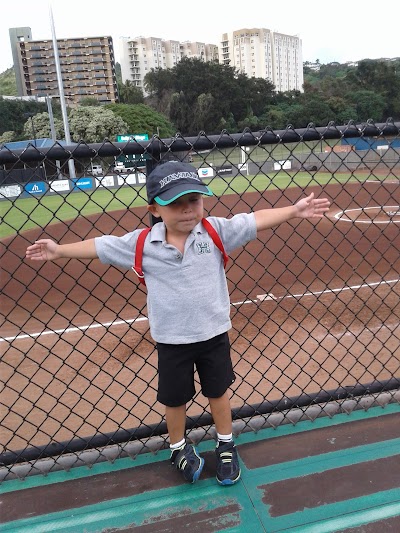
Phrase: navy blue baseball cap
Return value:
(171, 180)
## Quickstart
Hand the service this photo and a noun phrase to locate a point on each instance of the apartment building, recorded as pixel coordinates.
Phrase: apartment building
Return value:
(261, 53)
(87, 67)
(257, 52)
(138, 56)
(208, 52)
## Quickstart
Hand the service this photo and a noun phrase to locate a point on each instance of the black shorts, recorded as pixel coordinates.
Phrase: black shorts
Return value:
(176, 363)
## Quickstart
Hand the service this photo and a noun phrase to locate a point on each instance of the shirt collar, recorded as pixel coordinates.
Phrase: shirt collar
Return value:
(158, 231)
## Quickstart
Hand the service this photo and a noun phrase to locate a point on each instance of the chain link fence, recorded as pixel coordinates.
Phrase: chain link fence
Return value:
(315, 305)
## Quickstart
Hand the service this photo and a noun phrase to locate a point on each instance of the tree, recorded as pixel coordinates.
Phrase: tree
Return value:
(12, 114)
(313, 109)
(8, 84)
(274, 117)
(207, 95)
(206, 115)
(180, 113)
(7, 137)
(95, 124)
(380, 77)
(158, 81)
(257, 93)
(89, 101)
(141, 118)
(342, 110)
(41, 126)
(130, 94)
(368, 104)
(250, 122)
(118, 73)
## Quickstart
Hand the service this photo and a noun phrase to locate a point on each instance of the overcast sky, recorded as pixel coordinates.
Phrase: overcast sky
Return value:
(330, 31)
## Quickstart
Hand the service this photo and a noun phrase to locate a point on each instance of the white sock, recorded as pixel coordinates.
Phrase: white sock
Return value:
(177, 445)
(224, 438)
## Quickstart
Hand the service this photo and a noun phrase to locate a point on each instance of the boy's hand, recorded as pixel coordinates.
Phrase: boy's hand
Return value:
(312, 208)
(42, 250)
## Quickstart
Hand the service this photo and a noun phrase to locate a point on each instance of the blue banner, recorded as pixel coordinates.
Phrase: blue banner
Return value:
(35, 187)
(82, 183)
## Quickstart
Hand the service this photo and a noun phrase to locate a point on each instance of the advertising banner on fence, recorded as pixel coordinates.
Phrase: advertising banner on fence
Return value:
(35, 187)
(224, 171)
(207, 172)
(126, 179)
(59, 186)
(283, 165)
(82, 183)
(10, 191)
(105, 181)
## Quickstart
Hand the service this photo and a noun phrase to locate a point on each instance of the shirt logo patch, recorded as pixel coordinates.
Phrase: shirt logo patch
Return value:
(203, 248)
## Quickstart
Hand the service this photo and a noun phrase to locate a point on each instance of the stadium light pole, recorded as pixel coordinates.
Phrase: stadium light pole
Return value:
(53, 129)
(31, 115)
(71, 165)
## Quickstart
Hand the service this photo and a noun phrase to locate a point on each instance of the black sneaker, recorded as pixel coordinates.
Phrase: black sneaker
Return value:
(188, 461)
(228, 469)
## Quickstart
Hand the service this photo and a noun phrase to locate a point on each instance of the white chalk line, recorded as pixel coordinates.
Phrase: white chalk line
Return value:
(386, 208)
(343, 289)
(74, 329)
(260, 298)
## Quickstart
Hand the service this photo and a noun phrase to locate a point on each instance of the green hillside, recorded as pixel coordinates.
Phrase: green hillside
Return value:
(8, 86)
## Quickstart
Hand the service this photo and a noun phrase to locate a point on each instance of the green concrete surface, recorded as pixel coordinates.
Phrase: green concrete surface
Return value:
(343, 488)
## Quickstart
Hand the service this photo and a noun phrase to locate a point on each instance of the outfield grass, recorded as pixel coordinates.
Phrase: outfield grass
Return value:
(28, 213)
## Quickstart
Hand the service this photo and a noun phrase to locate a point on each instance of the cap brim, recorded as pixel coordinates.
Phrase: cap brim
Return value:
(170, 196)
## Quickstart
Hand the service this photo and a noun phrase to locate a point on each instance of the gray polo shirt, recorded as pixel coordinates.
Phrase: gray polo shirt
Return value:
(187, 294)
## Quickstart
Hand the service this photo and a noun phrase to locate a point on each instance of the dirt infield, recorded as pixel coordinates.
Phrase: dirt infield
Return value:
(315, 307)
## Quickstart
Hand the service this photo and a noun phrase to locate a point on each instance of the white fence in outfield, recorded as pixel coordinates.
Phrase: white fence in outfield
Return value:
(387, 160)
(85, 183)
(35, 188)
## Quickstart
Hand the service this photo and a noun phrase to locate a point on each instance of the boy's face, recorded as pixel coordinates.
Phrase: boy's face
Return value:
(182, 215)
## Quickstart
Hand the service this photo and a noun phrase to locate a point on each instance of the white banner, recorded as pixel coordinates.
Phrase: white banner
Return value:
(283, 165)
(126, 179)
(59, 185)
(105, 181)
(10, 191)
(207, 172)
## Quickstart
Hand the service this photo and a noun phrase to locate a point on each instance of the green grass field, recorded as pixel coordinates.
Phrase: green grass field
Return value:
(27, 213)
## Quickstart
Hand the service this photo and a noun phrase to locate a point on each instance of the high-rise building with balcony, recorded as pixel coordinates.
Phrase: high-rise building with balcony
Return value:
(261, 53)
(257, 52)
(87, 67)
(138, 56)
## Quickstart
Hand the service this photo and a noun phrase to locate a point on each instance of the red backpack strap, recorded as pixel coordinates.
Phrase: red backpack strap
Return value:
(216, 239)
(139, 255)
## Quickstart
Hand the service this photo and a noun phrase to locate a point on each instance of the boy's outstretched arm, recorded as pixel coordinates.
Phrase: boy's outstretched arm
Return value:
(48, 250)
(308, 207)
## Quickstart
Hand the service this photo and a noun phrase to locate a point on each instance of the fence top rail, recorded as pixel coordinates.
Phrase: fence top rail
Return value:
(202, 141)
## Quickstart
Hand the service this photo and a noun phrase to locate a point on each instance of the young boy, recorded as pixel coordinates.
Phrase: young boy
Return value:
(188, 301)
